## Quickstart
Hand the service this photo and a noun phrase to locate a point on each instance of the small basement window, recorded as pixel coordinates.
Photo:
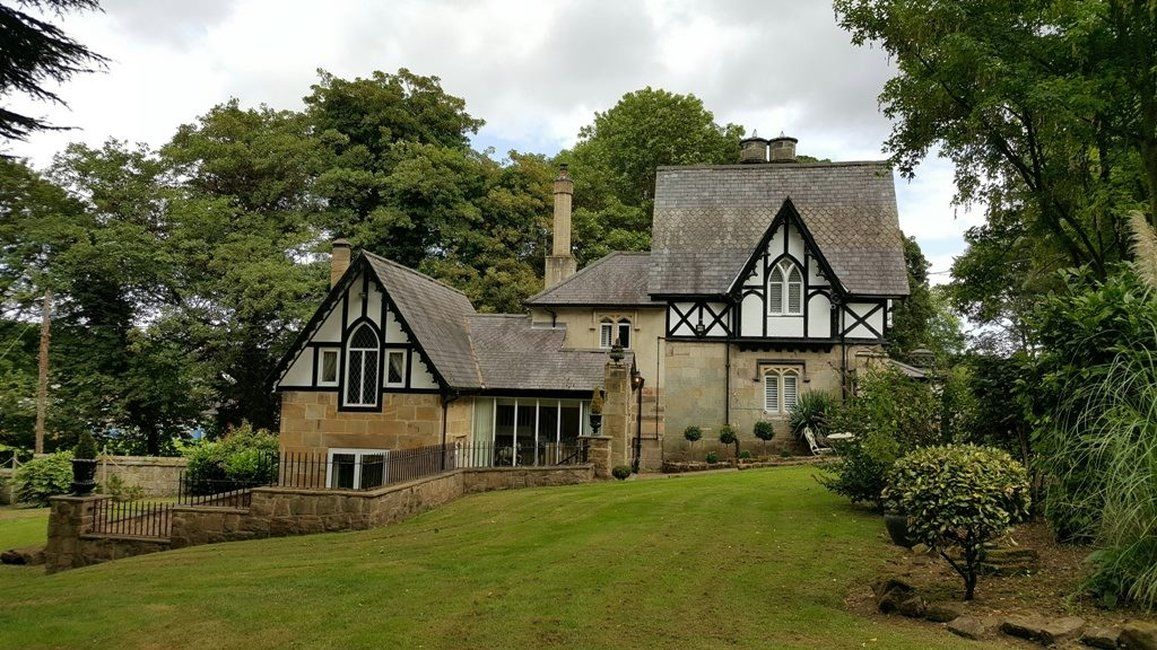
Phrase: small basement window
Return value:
(356, 469)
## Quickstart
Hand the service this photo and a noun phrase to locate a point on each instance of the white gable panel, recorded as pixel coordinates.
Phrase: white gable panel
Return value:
(684, 329)
(420, 375)
(330, 330)
(778, 326)
(873, 322)
(795, 243)
(374, 309)
(300, 372)
(815, 276)
(751, 316)
(354, 300)
(819, 316)
(394, 332)
(715, 329)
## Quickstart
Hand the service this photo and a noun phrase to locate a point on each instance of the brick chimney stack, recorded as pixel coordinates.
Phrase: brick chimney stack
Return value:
(560, 265)
(339, 260)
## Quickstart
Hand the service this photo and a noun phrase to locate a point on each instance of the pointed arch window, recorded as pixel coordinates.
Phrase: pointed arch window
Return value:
(780, 390)
(362, 352)
(785, 290)
(611, 330)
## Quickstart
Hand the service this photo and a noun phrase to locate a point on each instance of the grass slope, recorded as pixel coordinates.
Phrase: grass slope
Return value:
(21, 527)
(761, 558)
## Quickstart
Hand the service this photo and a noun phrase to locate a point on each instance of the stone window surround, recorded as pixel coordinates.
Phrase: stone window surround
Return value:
(613, 320)
(780, 370)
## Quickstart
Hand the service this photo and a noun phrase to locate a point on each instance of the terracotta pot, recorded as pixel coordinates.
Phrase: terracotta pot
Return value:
(83, 474)
(897, 526)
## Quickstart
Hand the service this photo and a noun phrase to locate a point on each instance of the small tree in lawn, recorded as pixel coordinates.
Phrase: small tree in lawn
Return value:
(692, 434)
(957, 498)
(765, 431)
(728, 436)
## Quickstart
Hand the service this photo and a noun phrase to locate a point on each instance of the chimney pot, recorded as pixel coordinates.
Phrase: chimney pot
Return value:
(753, 150)
(339, 260)
(782, 149)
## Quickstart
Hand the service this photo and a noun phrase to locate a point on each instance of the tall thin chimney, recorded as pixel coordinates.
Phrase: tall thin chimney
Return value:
(560, 265)
(339, 260)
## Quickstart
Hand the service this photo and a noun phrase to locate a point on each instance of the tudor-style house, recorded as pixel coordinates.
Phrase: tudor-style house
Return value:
(766, 279)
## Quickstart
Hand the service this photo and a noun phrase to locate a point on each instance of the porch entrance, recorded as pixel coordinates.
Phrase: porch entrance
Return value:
(530, 431)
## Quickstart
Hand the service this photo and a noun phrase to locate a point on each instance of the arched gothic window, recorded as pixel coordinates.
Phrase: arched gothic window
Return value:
(362, 386)
(609, 330)
(780, 389)
(785, 290)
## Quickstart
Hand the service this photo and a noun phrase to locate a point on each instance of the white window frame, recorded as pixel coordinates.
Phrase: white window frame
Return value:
(321, 355)
(786, 285)
(386, 368)
(610, 330)
(375, 396)
(357, 453)
(778, 375)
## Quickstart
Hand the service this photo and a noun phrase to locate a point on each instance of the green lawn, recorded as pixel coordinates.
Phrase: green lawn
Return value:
(21, 527)
(760, 558)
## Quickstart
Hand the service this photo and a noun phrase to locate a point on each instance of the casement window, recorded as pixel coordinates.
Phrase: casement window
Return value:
(610, 330)
(780, 389)
(327, 361)
(396, 368)
(785, 290)
(356, 469)
(361, 382)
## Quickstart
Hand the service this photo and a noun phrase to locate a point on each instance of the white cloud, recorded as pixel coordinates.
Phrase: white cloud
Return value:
(535, 71)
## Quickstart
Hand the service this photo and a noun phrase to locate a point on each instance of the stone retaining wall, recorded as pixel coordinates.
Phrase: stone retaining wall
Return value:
(156, 475)
(276, 512)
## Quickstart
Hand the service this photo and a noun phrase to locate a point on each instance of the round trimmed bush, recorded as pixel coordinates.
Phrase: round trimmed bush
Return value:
(621, 472)
(692, 434)
(957, 498)
(712, 457)
(764, 430)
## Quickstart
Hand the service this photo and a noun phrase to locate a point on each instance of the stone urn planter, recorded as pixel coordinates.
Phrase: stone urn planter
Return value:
(83, 476)
(84, 465)
(897, 525)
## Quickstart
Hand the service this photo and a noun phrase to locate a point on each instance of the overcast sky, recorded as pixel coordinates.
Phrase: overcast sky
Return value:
(535, 71)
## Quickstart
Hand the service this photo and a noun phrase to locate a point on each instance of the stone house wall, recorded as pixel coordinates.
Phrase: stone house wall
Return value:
(696, 383)
(310, 421)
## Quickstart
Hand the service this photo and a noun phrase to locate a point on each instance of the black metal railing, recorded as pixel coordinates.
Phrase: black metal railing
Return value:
(132, 518)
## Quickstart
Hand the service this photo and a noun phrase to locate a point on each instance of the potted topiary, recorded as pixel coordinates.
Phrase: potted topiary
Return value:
(765, 431)
(596, 411)
(84, 465)
(692, 434)
(728, 436)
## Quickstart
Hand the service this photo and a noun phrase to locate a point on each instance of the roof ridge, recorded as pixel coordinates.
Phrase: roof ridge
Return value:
(834, 163)
(580, 272)
(421, 275)
(486, 315)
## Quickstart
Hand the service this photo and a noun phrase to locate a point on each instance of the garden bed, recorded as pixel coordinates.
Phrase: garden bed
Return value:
(680, 467)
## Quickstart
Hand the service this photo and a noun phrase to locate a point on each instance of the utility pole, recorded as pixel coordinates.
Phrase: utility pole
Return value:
(42, 388)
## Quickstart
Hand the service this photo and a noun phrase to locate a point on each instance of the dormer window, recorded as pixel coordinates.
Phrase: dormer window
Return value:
(785, 290)
(610, 330)
(361, 382)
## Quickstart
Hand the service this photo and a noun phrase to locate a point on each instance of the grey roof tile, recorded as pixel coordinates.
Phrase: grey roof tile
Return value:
(709, 219)
(515, 356)
(617, 279)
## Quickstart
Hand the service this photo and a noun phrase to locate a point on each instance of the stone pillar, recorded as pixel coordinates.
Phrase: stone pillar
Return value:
(599, 456)
(70, 518)
(618, 411)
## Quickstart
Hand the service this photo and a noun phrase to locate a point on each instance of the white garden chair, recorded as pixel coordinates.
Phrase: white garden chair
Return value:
(816, 449)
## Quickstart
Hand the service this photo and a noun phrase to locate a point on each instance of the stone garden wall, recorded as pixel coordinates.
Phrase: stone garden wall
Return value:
(276, 512)
(157, 476)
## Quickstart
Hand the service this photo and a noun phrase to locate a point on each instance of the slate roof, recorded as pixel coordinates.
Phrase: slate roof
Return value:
(436, 313)
(709, 219)
(484, 351)
(617, 279)
(512, 355)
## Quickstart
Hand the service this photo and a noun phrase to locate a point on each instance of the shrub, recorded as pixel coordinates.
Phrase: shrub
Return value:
(597, 401)
(764, 430)
(245, 455)
(621, 472)
(957, 498)
(43, 477)
(712, 457)
(811, 411)
(692, 434)
(116, 488)
(85, 447)
(729, 436)
(745, 455)
(890, 414)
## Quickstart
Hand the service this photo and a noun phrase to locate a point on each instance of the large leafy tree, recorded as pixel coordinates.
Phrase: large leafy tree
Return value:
(615, 159)
(34, 52)
(1046, 107)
